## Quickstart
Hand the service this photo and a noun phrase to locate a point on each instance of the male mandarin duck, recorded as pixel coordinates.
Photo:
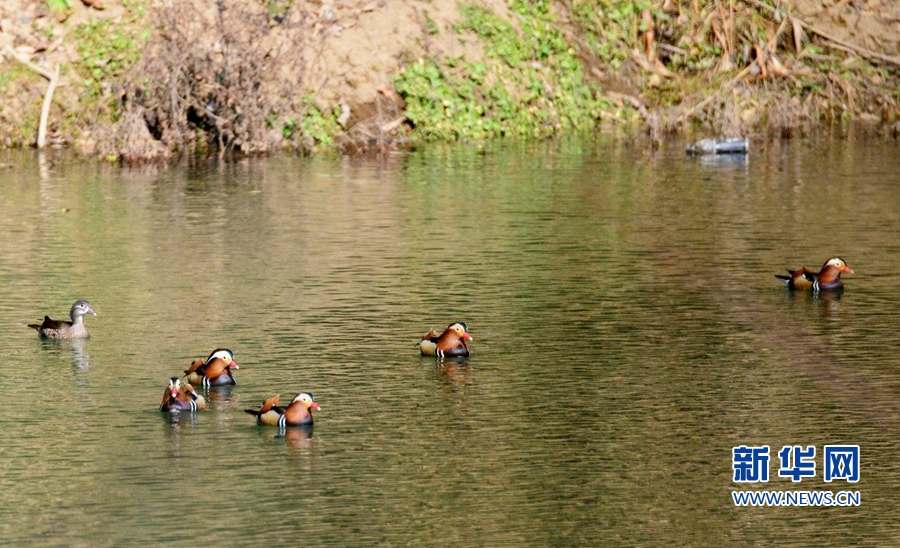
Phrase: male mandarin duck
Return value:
(58, 329)
(449, 344)
(826, 279)
(218, 373)
(181, 397)
(298, 413)
(197, 372)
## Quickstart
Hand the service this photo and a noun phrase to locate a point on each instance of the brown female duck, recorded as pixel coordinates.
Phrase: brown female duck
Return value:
(826, 279)
(449, 344)
(298, 413)
(58, 329)
(181, 397)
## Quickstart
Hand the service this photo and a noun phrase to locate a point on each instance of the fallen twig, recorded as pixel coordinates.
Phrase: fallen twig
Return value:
(671, 49)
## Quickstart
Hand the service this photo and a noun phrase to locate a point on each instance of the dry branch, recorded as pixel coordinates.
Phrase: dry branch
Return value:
(27, 62)
(45, 109)
(48, 95)
(859, 50)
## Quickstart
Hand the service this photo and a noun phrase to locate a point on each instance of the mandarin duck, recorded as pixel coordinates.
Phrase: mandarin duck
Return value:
(298, 413)
(58, 329)
(449, 344)
(181, 397)
(217, 372)
(196, 373)
(826, 279)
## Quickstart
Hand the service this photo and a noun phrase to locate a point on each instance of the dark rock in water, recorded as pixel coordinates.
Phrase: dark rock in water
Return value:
(737, 145)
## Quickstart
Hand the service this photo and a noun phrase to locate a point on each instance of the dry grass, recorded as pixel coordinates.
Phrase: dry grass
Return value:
(130, 140)
(215, 79)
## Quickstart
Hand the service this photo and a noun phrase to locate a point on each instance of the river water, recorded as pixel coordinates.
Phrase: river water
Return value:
(628, 333)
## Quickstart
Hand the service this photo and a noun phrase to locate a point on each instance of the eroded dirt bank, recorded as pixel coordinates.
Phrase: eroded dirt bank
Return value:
(145, 80)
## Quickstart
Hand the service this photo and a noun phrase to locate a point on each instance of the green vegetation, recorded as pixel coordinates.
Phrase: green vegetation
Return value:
(316, 128)
(319, 127)
(548, 64)
(430, 26)
(16, 77)
(57, 6)
(107, 49)
(5, 79)
(531, 84)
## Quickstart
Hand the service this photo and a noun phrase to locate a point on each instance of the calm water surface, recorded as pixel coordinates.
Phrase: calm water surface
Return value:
(628, 333)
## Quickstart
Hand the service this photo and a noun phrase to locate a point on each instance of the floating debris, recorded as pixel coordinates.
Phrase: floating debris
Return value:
(737, 145)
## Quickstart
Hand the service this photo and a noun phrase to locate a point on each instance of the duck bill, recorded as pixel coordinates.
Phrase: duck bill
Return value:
(91, 312)
(233, 365)
(314, 406)
(467, 337)
(847, 270)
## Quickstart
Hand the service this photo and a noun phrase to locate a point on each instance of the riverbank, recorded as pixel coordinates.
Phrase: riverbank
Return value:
(141, 81)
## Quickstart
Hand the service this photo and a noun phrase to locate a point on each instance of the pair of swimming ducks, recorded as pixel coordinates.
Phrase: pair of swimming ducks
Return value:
(215, 370)
(182, 397)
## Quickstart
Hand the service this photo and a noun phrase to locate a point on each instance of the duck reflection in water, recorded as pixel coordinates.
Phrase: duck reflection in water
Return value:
(218, 393)
(80, 358)
(298, 437)
(455, 370)
(830, 296)
(829, 302)
(177, 425)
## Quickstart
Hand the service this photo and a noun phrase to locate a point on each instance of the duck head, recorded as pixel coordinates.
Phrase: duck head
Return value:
(459, 329)
(222, 358)
(222, 354)
(80, 309)
(174, 386)
(832, 269)
(305, 399)
(836, 265)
